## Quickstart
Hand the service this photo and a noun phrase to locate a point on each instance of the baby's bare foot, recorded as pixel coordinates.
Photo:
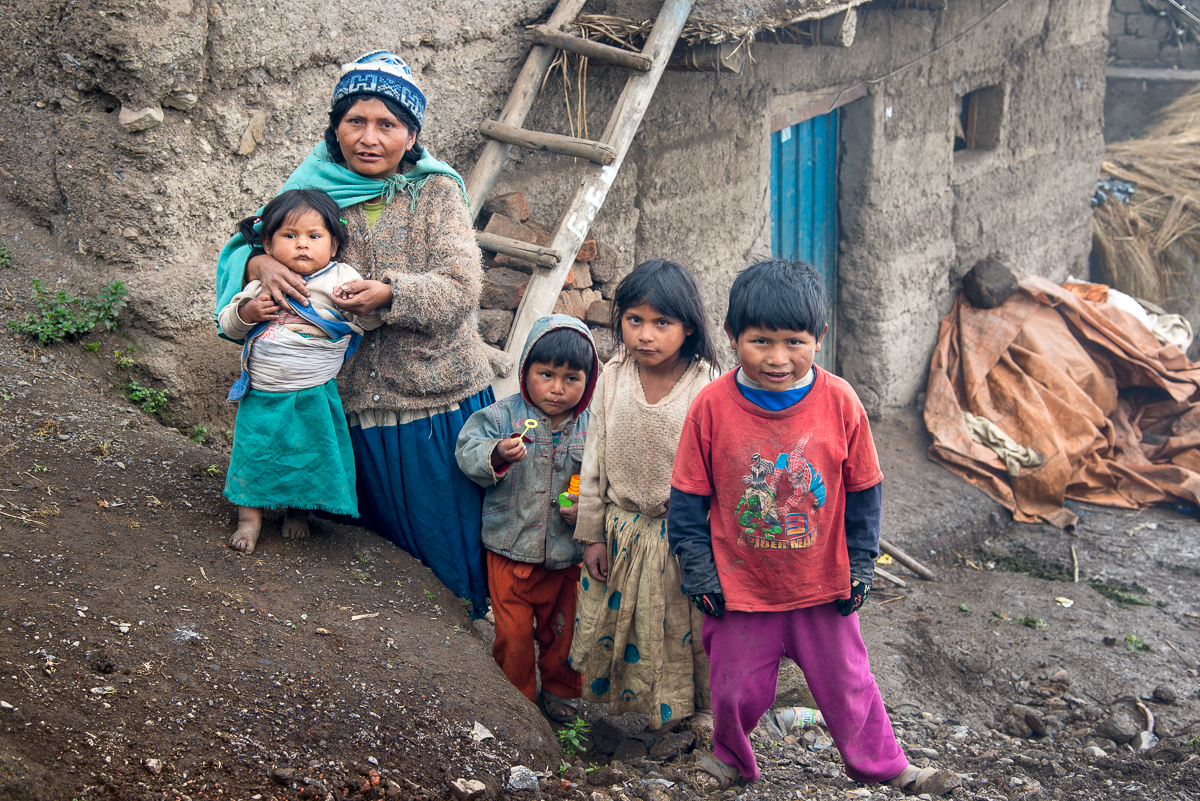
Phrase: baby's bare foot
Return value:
(295, 524)
(249, 526)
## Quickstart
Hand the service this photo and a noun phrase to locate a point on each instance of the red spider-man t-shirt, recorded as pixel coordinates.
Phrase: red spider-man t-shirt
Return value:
(778, 482)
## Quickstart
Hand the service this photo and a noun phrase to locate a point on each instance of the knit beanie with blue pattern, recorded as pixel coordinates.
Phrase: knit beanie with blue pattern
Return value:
(386, 75)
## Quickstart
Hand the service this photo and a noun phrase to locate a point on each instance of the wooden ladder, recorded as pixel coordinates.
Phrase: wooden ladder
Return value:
(606, 155)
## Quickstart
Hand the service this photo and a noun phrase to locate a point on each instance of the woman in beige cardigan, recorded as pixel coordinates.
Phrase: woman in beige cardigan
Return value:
(415, 380)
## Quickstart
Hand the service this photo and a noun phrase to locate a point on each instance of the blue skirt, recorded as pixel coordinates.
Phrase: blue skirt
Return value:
(411, 491)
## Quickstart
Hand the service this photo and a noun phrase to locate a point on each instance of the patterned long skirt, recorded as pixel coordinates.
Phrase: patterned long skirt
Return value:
(637, 636)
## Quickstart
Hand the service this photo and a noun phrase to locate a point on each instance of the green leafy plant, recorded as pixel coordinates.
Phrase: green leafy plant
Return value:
(1136, 644)
(37, 468)
(60, 316)
(1192, 742)
(124, 362)
(91, 346)
(148, 399)
(1032, 622)
(429, 594)
(964, 608)
(572, 735)
(5, 258)
(212, 471)
(199, 434)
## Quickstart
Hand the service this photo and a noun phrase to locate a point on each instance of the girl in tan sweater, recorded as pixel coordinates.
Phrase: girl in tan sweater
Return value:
(637, 636)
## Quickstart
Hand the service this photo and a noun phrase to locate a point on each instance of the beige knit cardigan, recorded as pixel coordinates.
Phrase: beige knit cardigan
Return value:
(428, 353)
(631, 444)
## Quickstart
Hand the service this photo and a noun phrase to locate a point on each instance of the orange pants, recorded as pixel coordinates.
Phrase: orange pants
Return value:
(525, 595)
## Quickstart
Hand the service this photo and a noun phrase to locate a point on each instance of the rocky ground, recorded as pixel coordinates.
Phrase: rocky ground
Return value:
(141, 658)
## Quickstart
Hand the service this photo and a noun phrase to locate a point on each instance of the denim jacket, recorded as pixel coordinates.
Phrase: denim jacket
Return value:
(521, 520)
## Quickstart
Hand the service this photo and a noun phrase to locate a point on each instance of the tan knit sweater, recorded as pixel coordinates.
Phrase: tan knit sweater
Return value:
(429, 352)
(631, 445)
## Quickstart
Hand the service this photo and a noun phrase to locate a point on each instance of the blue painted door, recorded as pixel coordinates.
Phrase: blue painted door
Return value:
(804, 205)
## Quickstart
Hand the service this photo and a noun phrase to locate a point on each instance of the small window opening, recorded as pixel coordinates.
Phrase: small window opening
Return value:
(977, 124)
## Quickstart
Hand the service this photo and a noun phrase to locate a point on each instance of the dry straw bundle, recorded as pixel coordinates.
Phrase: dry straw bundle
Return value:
(1149, 247)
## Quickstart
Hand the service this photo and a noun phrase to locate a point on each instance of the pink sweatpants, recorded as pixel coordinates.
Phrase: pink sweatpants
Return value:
(745, 649)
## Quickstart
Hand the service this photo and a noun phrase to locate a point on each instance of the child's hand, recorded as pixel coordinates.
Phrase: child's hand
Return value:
(595, 559)
(570, 513)
(859, 590)
(507, 451)
(260, 310)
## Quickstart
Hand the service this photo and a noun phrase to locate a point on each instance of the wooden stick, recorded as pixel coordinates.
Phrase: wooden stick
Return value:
(544, 34)
(541, 256)
(889, 600)
(838, 30)
(906, 560)
(1075, 561)
(595, 152)
(883, 574)
(1149, 716)
(723, 58)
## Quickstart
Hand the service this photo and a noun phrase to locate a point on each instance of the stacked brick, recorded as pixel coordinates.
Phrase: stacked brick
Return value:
(586, 294)
(1139, 36)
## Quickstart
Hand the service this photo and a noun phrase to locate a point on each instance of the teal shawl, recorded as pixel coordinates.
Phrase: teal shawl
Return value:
(346, 187)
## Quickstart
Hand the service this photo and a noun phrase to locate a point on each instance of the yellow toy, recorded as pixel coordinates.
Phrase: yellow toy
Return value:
(573, 489)
(529, 423)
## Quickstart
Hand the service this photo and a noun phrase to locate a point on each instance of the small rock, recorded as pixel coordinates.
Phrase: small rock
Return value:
(129, 233)
(606, 266)
(1061, 677)
(253, 135)
(154, 766)
(1164, 694)
(925, 752)
(521, 778)
(283, 775)
(1143, 741)
(606, 734)
(1092, 752)
(604, 776)
(468, 789)
(323, 632)
(1015, 726)
(512, 205)
(480, 733)
(989, 284)
(184, 101)
(1103, 743)
(132, 120)
(391, 790)
(631, 749)
(1118, 727)
(672, 745)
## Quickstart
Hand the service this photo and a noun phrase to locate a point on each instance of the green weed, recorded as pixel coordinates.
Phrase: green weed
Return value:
(124, 362)
(1031, 622)
(199, 434)
(429, 594)
(91, 346)
(1119, 592)
(1192, 742)
(572, 735)
(60, 316)
(212, 471)
(37, 468)
(5, 258)
(148, 399)
(1136, 644)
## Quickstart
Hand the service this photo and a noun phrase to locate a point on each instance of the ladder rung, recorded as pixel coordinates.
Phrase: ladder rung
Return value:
(544, 34)
(597, 152)
(539, 255)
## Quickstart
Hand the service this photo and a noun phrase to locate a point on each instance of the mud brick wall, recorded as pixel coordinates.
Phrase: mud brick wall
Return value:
(586, 294)
(1138, 36)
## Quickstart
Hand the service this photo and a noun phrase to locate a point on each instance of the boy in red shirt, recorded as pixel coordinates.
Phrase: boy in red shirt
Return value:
(775, 509)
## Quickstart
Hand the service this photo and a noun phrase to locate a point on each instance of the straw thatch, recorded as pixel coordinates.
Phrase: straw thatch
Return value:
(1149, 247)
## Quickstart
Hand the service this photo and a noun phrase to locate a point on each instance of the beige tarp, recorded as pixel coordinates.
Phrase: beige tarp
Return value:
(1114, 413)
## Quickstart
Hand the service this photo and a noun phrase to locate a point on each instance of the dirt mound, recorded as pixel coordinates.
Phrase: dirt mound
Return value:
(143, 656)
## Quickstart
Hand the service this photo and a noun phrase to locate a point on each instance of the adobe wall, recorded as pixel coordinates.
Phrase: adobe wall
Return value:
(914, 218)
(1154, 65)
(153, 207)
